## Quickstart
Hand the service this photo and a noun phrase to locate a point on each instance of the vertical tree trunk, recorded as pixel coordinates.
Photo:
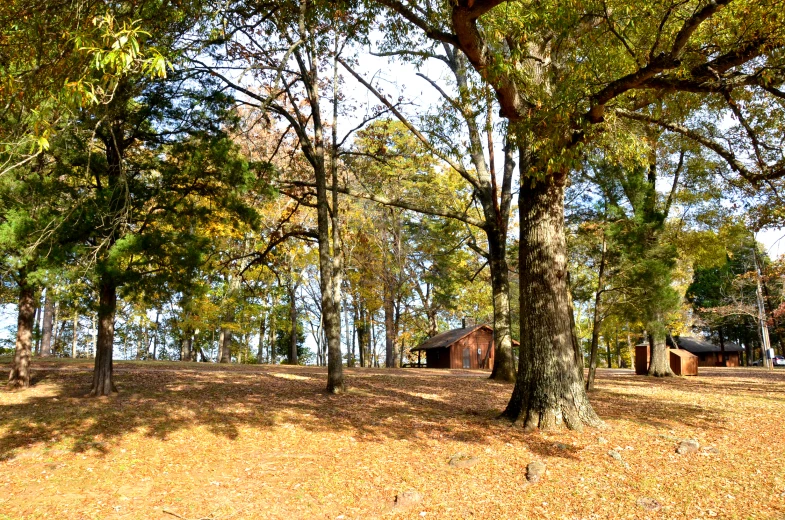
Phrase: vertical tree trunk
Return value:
(103, 383)
(723, 358)
(49, 319)
(597, 321)
(187, 345)
(37, 326)
(503, 362)
(260, 347)
(155, 335)
(390, 338)
(76, 330)
(549, 389)
(608, 351)
(225, 346)
(659, 365)
(20, 367)
(293, 360)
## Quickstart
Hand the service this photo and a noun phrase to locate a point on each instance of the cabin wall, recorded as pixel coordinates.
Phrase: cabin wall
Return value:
(482, 340)
(712, 359)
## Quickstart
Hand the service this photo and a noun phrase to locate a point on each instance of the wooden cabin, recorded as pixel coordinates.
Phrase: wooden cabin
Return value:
(470, 347)
(709, 354)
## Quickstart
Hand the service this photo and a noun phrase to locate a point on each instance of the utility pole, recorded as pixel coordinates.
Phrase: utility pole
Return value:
(764, 328)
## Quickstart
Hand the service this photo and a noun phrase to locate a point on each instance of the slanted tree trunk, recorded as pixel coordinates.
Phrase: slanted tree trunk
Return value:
(659, 365)
(103, 383)
(20, 367)
(549, 389)
(46, 334)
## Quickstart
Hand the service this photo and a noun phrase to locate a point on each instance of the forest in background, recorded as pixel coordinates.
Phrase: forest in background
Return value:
(218, 181)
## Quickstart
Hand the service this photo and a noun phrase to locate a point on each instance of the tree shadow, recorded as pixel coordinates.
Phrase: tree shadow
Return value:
(380, 405)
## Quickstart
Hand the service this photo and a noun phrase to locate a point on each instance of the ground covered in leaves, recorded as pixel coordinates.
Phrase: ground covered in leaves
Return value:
(202, 441)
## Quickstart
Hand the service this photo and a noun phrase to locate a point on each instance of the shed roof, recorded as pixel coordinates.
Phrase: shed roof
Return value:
(445, 339)
(699, 346)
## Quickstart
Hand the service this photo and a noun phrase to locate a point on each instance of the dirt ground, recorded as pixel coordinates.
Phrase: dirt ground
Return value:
(198, 441)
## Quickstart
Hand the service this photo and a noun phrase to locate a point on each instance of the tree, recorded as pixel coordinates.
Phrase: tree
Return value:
(561, 73)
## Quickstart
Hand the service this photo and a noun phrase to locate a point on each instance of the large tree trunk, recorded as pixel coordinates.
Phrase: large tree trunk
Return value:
(20, 367)
(186, 347)
(225, 346)
(103, 383)
(549, 389)
(46, 334)
(660, 365)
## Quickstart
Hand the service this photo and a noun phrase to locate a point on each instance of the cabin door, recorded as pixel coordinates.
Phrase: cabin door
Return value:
(467, 358)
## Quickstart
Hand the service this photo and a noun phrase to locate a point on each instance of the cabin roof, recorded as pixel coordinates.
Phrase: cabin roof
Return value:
(699, 346)
(445, 339)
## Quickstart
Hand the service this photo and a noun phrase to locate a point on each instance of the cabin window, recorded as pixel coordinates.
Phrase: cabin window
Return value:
(467, 362)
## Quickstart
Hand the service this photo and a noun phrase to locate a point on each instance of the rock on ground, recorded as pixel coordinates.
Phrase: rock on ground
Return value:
(687, 446)
(534, 471)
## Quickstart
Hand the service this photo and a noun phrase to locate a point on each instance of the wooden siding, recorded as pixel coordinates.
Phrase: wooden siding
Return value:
(642, 359)
(712, 359)
(683, 363)
(452, 356)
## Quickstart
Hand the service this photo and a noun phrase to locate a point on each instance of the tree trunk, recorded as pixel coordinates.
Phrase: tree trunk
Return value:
(74, 338)
(103, 383)
(503, 362)
(186, 345)
(260, 347)
(597, 321)
(390, 338)
(46, 335)
(225, 346)
(20, 367)
(723, 359)
(608, 351)
(549, 389)
(293, 360)
(659, 365)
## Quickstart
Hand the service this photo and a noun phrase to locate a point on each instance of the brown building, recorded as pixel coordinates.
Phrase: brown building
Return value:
(709, 354)
(682, 362)
(470, 347)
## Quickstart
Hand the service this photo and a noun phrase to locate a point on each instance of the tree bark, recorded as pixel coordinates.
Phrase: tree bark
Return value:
(186, 345)
(46, 334)
(20, 367)
(260, 347)
(723, 358)
(549, 390)
(76, 330)
(659, 365)
(597, 321)
(225, 346)
(103, 383)
(293, 360)
(503, 362)
(390, 335)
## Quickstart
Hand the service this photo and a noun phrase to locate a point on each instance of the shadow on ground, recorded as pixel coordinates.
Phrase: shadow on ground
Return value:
(159, 400)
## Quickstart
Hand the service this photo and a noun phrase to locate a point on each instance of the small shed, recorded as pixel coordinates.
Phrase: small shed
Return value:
(470, 347)
(709, 354)
(682, 362)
